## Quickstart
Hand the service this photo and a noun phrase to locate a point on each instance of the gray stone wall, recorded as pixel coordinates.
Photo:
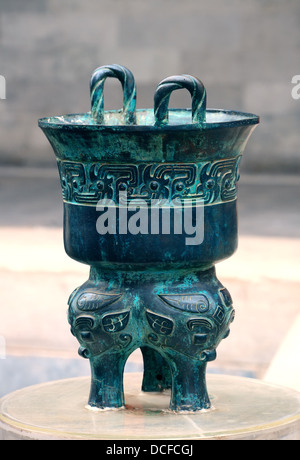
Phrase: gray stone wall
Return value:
(245, 52)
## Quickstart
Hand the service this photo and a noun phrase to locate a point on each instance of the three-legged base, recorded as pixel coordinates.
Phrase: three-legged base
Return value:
(177, 318)
(242, 408)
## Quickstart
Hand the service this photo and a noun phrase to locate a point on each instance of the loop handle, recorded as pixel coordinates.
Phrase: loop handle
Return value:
(169, 84)
(129, 92)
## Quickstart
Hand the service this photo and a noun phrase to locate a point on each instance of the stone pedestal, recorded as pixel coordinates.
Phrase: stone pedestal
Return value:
(243, 408)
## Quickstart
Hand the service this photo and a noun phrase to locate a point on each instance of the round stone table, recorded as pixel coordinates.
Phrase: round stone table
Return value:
(243, 408)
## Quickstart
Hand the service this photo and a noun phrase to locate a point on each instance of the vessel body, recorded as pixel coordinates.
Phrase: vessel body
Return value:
(150, 204)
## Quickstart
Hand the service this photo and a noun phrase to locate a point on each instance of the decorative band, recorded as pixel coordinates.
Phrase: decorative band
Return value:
(211, 182)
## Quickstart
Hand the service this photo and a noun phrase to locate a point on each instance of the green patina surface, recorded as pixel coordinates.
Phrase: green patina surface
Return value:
(150, 291)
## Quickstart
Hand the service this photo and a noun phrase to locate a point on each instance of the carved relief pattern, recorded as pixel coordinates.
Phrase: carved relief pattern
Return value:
(190, 303)
(211, 182)
(160, 324)
(116, 322)
(92, 301)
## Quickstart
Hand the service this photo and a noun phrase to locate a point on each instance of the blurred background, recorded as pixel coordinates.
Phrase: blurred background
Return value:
(246, 54)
